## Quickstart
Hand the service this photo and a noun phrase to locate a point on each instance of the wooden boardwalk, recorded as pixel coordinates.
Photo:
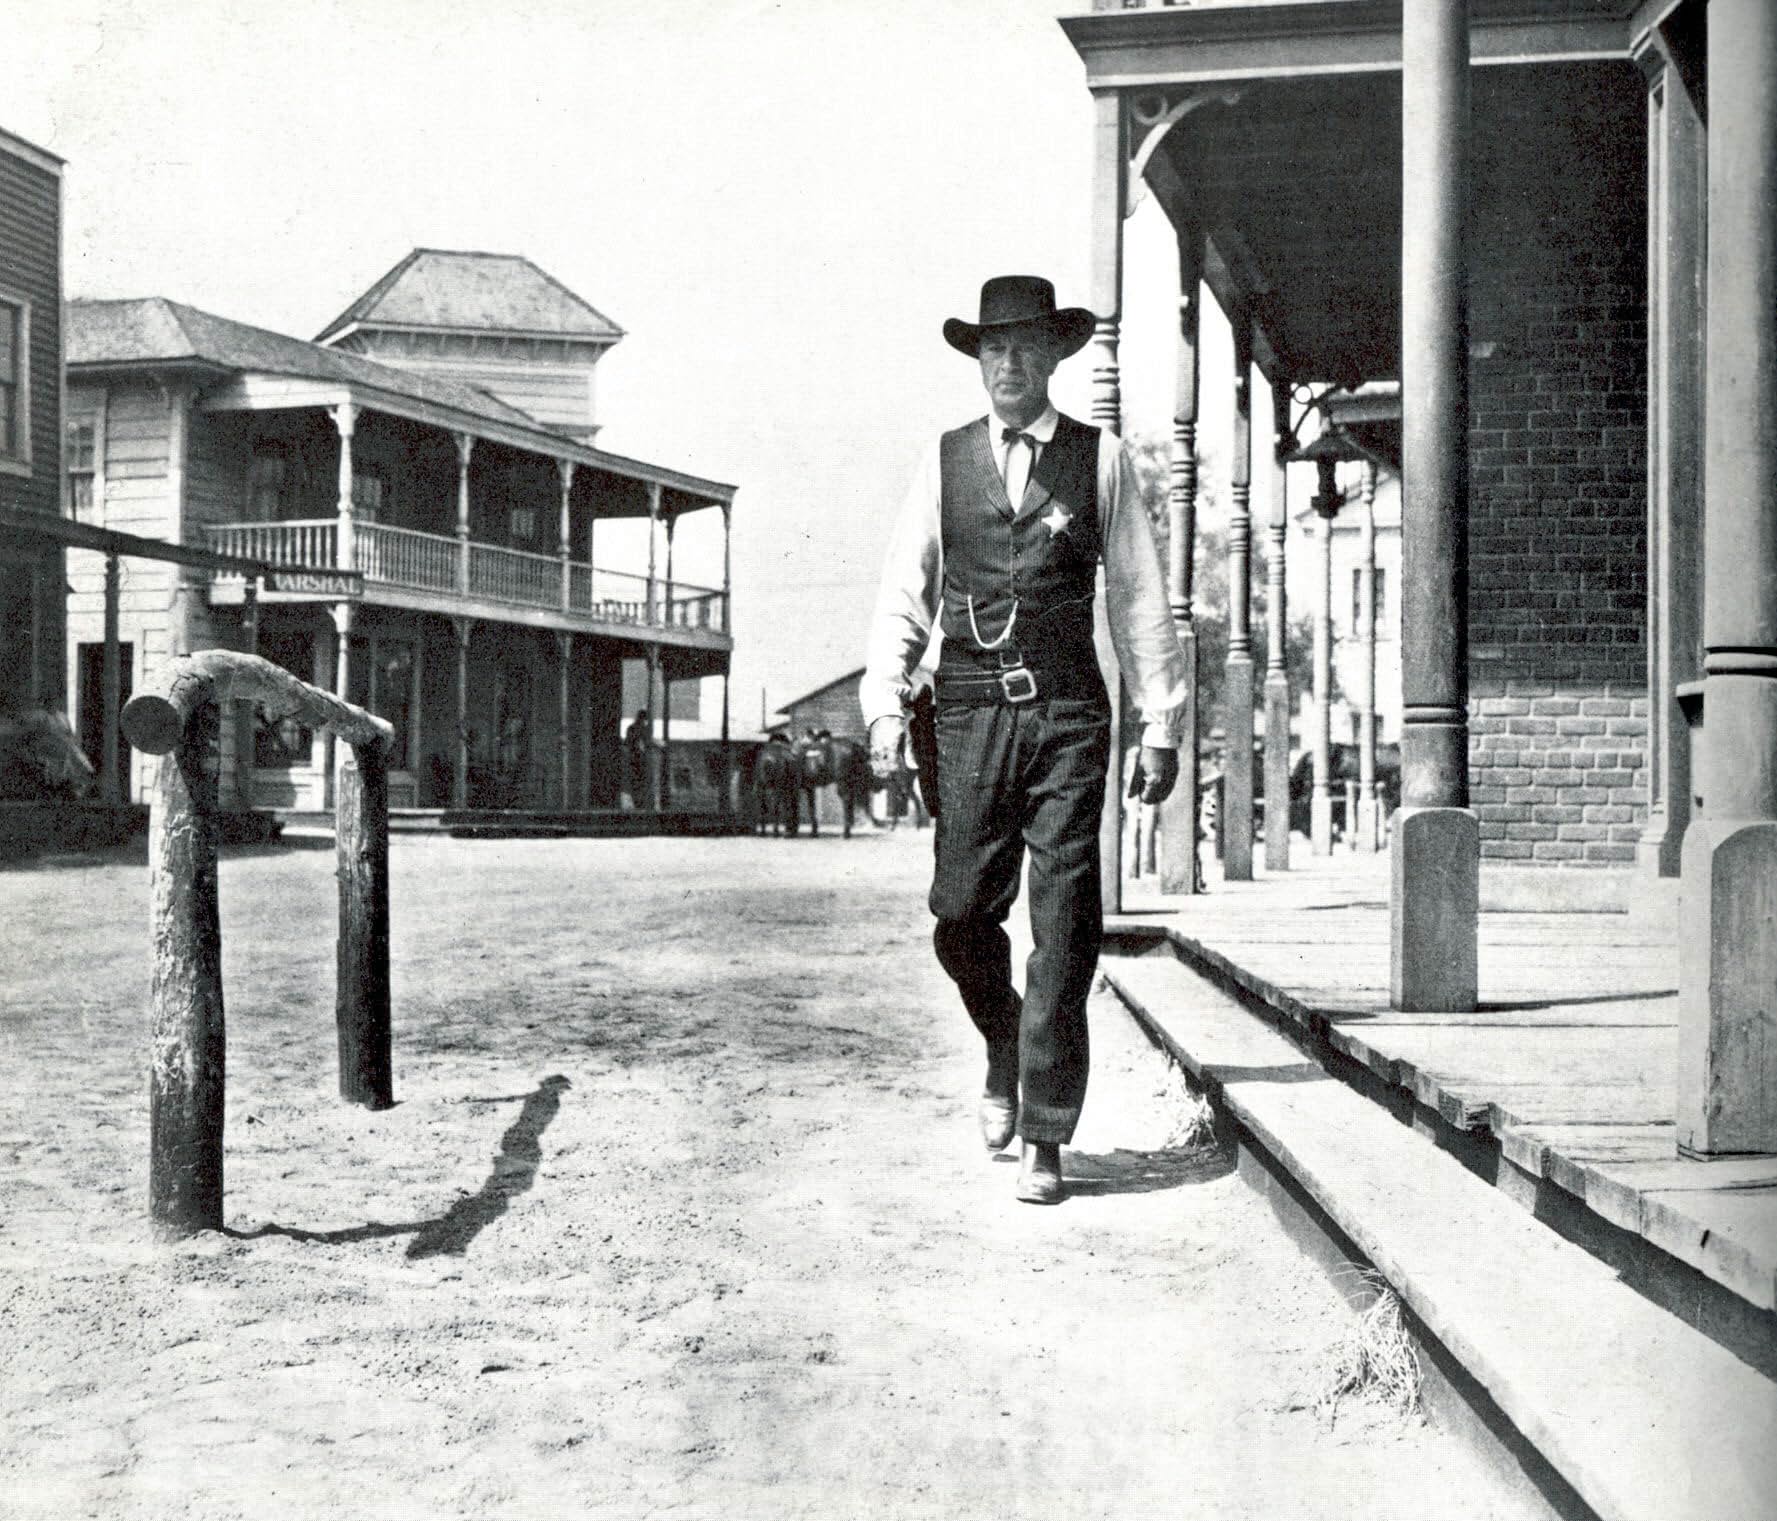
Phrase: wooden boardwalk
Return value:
(1570, 1061)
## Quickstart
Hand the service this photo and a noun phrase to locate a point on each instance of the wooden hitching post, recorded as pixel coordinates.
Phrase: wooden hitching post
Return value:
(361, 830)
(187, 1037)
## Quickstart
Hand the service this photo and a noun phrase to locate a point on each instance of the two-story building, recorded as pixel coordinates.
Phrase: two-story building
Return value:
(423, 481)
(31, 564)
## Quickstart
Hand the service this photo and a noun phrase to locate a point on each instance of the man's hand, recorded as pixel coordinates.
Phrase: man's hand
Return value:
(887, 737)
(1156, 771)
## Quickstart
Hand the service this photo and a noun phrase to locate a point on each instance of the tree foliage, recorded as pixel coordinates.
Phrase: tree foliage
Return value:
(1152, 461)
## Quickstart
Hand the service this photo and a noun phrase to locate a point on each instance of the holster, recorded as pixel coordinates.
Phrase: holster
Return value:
(922, 740)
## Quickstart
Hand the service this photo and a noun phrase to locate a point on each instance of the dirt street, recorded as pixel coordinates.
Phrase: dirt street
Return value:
(681, 1212)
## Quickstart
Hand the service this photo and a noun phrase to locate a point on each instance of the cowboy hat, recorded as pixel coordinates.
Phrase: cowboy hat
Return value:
(1013, 300)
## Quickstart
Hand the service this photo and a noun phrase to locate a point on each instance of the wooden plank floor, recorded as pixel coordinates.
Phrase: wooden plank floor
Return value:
(1570, 1060)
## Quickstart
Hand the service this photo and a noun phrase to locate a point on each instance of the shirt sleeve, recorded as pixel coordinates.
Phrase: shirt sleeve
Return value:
(1136, 604)
(906, 600)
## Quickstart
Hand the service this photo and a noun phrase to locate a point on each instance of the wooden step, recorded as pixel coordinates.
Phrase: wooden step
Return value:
(1646, 1418)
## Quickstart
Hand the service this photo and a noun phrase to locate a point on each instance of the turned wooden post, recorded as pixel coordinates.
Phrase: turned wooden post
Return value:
(1236, 819)
(1279, 700)
(1727, 966)
(361, 1000)
(187, 1043)
(1179, 871)
(1366, 831)
(1110, 173)
(1435, 849)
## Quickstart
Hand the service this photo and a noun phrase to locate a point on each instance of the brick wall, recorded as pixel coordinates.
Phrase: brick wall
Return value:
(1557, 533)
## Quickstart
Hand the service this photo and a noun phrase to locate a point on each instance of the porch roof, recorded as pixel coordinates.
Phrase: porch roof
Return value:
(151, 333)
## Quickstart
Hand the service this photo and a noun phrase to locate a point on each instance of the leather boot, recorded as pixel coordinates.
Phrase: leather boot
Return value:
(1039, 1173)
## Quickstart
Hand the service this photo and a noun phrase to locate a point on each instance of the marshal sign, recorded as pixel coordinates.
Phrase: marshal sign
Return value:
(312, 585)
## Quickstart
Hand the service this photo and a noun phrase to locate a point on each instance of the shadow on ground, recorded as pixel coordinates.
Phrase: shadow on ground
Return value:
(1093, 1175)
(449, 1234)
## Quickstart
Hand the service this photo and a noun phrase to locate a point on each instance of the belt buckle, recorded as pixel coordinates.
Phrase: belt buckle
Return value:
(1018, 684)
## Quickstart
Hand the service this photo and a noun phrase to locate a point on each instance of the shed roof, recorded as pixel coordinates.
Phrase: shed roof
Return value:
(474, 292)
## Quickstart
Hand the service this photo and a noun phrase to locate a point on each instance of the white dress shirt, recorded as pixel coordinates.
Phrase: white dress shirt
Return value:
(1135, 587)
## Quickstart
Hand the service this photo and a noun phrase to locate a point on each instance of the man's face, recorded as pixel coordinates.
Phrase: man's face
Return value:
(1016, 364)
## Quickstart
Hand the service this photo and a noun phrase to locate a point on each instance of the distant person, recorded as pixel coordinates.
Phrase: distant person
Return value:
(636, 742)
(999, 542)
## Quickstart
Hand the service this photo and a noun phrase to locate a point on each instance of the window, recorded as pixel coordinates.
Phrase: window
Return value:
(266, 474)
(15, 382)
(1378, 600)
(79, 455)
(367, 495)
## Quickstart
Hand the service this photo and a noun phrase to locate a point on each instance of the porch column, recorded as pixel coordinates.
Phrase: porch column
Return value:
(465, 451)
(566, 467)
(653, 534)
(728, 567)
(727, 669)
(463, 627)
(655, 699)
(1367, 835)
(1727, 1027)
(564, 644)
(110, 688)
(666, 736)
(1236, 821)
(1320, 817)
(1434, 897)
(1110, 169)
(672, 522)
(243, 726)
(1278, 697)
(342, 675)
(1677, 160)
(345, 420)
(1178, 814)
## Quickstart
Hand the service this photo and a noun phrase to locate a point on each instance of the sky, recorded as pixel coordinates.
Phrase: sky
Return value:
(780, 203)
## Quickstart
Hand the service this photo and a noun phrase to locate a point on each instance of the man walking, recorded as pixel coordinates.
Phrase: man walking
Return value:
(998, 543)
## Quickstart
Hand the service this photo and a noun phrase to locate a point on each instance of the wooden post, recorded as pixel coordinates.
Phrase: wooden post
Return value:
(1110, 172)
(1727, 1072)
(672, 523)
(345, 421)
(1179, 871)
(344, 615)
(1326, 505)
(727, 626)
(187, 1041)
(665, 710)
(564, 644)
(1236, 821)
(653, 534)
(654, 705)
(1677, 160)
(1279, 700)
(243, 711)
(566, 469)
(1435, 853)
(465, 450)
(110, 687)
(463, 627)
(1366, 832)
(361, 1008)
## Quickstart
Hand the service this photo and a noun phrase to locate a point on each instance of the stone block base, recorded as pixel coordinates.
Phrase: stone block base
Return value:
(1727, 989)
(1433, 907)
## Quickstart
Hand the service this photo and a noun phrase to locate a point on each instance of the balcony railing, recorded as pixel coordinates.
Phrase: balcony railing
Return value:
(432, 562)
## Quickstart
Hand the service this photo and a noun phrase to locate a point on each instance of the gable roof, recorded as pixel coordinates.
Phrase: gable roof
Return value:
(152, 329)
(474, 292)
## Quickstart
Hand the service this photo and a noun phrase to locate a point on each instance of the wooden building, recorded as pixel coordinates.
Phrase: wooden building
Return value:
(435, 546)
(31, 564)
(1553, 223)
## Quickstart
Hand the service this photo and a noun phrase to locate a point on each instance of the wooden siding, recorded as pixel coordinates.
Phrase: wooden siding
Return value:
(30, 268)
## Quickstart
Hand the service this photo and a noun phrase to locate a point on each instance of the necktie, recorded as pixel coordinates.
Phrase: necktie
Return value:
(1018, 462)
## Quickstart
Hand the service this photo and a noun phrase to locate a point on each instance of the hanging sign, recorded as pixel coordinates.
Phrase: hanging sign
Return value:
(312, 585)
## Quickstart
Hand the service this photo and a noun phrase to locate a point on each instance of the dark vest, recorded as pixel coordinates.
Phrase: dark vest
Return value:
(1042, 560)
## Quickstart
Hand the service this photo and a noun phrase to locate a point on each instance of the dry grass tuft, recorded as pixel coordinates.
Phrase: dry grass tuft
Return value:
(1374, 1361)
(1193, 1118)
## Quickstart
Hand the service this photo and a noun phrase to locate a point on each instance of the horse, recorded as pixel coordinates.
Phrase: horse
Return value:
(843, 764)
(775, 785)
